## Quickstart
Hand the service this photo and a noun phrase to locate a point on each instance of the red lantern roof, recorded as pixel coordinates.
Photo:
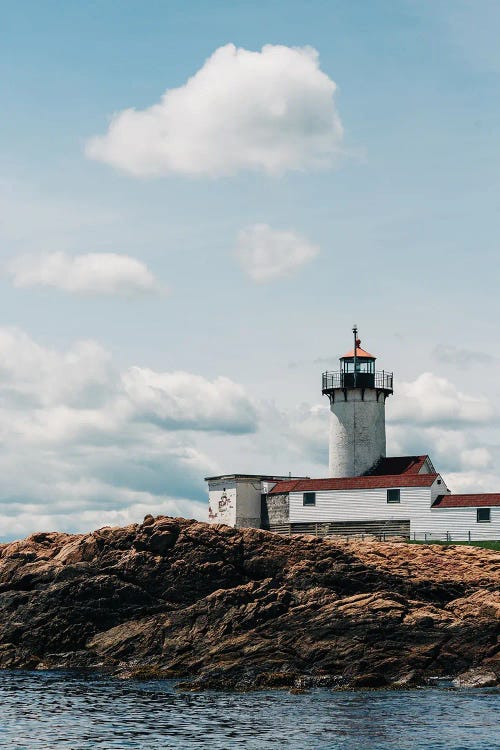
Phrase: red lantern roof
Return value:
(359, 352)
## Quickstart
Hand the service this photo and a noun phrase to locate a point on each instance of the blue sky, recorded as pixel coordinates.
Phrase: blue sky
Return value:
(402, 221)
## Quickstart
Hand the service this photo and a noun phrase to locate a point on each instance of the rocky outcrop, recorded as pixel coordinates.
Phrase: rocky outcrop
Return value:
(223, 607)
(476, 678)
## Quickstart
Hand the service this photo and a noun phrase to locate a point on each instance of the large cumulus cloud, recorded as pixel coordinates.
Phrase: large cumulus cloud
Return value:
(431, 400)
(269, 111)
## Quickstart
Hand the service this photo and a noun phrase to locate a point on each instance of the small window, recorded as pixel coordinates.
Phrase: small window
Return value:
(393, 496)
(483, 515)
(309, 498)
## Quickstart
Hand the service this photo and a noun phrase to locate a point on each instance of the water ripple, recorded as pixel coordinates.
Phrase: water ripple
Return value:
(61, 711)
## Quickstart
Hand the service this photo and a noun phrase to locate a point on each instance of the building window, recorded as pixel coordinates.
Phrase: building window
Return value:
(393, 496)
(309, 498)
(483, 515)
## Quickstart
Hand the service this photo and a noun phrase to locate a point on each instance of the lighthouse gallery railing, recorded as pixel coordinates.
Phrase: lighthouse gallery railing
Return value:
(380, 379)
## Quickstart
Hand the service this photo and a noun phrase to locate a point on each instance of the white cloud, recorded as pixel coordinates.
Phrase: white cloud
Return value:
(33, 517)
(452, 450)
(430, 415)
(476, 458)
(307, 431)
(180, 400)
(83, 444)
(462, 446)
(269, 111)
(433, 400)
(266, 254)
(91, 273)
(473, 481)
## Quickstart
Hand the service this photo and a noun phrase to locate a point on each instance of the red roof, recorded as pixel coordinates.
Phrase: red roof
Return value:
(282, 488)
(467, 501)
(354, 483)
(399, 465)
(359, 352)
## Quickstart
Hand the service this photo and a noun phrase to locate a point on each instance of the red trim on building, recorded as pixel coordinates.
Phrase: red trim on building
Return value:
(354, 483)
(483, 500)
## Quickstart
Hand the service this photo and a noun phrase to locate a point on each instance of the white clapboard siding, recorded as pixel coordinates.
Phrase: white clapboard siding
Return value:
(415, 506)
(360, 505)
(457, 522)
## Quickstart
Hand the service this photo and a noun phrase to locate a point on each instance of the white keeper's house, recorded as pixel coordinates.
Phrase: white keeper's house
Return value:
(365, 492)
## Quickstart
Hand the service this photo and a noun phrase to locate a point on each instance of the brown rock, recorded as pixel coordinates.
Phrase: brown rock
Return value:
(476, 678)
(248, 609)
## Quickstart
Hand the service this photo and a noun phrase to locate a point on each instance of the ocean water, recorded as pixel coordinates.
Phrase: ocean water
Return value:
(66, 711)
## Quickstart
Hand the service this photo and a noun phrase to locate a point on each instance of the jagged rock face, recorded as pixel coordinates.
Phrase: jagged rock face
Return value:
(247, 608)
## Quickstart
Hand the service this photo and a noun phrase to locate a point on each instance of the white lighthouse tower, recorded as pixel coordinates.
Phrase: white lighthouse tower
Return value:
(357, 396)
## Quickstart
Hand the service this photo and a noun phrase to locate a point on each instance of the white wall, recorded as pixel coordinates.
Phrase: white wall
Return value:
(235, 502)
(360, 505)
(238, 503)
(222, 502)
(248, 503)
(439, 488)
(357, 432)
(457, 522)
(415, 505)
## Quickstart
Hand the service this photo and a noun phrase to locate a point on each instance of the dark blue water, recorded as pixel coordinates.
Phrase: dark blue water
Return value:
(68, 711)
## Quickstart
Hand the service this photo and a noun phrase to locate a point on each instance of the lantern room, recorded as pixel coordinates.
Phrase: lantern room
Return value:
(357, 371)
(357, 368)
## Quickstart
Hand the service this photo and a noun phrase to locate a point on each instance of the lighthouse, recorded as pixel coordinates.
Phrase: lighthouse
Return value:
(357, 394)
(366, 491)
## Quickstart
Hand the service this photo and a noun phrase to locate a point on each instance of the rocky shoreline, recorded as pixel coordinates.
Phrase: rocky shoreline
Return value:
(242, 609)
